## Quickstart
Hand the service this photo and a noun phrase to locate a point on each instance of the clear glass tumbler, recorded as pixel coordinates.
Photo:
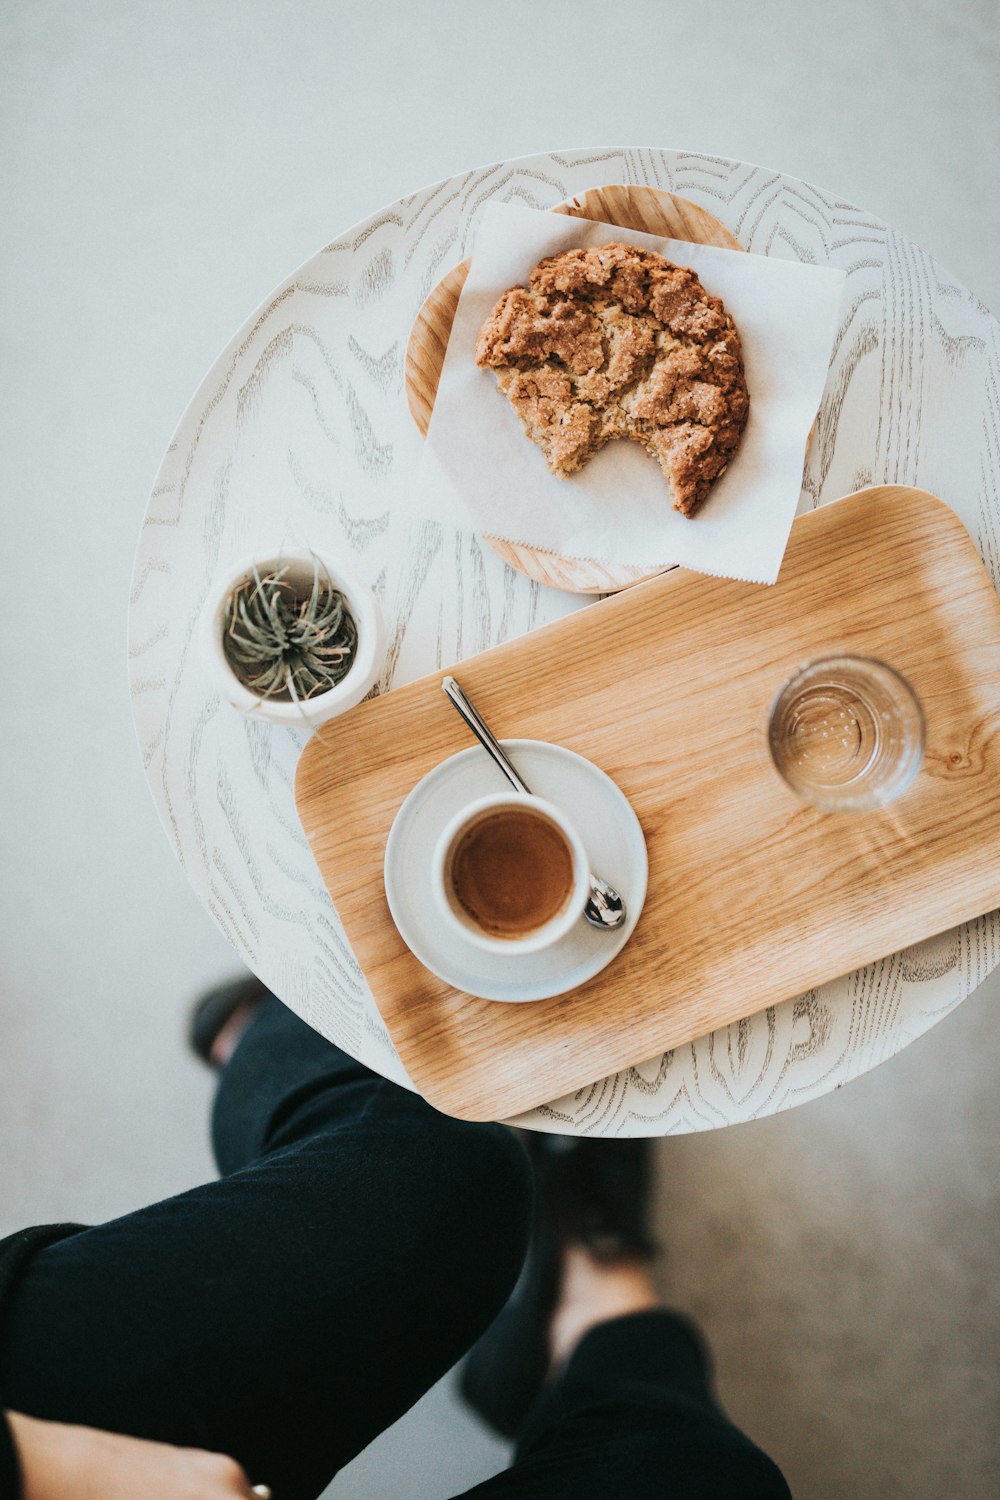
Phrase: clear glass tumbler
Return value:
(847, 733)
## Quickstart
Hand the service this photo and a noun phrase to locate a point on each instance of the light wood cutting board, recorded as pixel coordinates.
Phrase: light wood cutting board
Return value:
(753, 895)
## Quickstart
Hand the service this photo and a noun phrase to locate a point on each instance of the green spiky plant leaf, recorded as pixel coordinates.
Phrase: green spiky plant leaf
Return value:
(285, 642)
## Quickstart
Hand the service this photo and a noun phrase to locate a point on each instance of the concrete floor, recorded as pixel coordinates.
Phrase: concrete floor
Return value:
(162, 169)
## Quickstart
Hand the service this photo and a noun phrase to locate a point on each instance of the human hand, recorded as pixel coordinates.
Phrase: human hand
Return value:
(63, 1462)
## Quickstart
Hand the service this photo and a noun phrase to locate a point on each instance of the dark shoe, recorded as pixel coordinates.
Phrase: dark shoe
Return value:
(215, 1007)
(597, 1193)
(594, 1193)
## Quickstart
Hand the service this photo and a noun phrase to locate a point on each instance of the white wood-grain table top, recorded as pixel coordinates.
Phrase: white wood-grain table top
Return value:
(300, 431)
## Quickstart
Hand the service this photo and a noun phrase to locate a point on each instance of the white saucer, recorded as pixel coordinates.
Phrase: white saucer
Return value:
(611, 835)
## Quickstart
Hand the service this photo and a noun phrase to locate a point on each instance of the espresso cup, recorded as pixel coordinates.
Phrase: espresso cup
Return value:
(510, 874)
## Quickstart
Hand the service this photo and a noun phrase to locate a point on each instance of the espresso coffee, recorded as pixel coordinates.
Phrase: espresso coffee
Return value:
(511, 872)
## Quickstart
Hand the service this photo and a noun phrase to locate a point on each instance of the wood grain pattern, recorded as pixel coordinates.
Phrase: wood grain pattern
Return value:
(753, 895)
(913, 397)
(646, 209)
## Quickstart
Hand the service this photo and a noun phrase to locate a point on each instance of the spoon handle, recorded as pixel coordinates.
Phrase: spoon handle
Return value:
(483, 733)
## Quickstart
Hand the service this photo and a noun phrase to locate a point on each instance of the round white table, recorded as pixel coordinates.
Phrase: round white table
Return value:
(300, 431)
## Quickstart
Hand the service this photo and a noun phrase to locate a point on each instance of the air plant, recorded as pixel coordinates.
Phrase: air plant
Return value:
(284, 642)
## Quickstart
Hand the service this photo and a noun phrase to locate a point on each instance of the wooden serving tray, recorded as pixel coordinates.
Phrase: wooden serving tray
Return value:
(754, 896)
(649, 210)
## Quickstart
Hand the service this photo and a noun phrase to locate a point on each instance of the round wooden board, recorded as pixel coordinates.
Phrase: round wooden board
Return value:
(646, 209)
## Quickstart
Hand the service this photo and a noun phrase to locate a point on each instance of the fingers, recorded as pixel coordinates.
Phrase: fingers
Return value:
(223, 1478)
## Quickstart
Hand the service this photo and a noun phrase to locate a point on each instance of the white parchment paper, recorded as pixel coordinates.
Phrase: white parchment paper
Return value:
(480, 469)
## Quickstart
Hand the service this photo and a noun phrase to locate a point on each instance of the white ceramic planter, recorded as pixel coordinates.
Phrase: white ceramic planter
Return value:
(362, 604)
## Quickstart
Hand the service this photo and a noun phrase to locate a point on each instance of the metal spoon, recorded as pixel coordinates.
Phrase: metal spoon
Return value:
(605, 908)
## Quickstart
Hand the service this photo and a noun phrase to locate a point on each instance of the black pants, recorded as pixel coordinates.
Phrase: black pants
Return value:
(356, 1245)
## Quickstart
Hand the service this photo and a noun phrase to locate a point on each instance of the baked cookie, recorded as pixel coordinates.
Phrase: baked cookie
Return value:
(617, 342)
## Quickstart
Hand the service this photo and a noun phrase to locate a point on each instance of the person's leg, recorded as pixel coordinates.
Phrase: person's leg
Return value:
(633, 1417)
(627, 1409)
(289, 1312)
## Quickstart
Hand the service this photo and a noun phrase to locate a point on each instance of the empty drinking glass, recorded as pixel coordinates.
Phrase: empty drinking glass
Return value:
(847, 733)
